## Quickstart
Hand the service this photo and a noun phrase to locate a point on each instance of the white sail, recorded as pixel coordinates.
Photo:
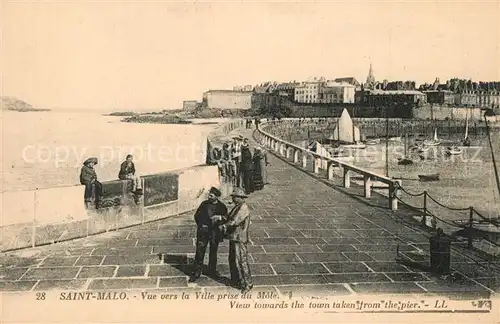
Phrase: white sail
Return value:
(435, 135)
(466, 125)
(345, 131)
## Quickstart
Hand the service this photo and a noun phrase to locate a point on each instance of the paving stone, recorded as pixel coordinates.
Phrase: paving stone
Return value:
(356, 277)
(173, 249)
(24, 285)
(383, 256)
(173, 282)
(320, 233)
(386, 266)
(97, 272)
(131, 259)
(274, 241)
(377, 247)
(164, 270)
(358, 256)
(122, 243)
(89, 260)
(283, 233)
(322, 257)
(303, 226)
(255, 268)
(104, 284)
(59, 261)
(131, 271)
(407, 276)
(310, 240)
(324, 290)
(275, 257)
(298, 268)
(258, 232)
(346, 267)
(385, 287)
(51, 273)
(288, 280)
(343, 240)
(123, 251)
(164, 242)
(491, 282)
(60, 284)
(337, 248)
(12, 273)
(291, 248)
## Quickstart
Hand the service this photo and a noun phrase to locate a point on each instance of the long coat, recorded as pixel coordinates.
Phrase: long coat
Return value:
(238, 222)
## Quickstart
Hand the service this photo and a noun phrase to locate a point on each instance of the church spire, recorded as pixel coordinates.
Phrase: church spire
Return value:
(370, 80)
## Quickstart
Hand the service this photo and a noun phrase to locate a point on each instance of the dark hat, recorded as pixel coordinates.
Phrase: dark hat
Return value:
(238, 192)
(90, 160)
(215, 191)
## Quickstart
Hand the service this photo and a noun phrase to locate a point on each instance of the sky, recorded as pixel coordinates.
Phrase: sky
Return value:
(153, 55)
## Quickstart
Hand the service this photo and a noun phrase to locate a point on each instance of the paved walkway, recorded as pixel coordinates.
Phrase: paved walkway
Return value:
(307, 237)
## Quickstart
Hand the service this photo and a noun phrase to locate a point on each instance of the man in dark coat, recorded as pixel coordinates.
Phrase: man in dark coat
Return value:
(246, 168)
(236, 228)
(88, 177)
(127, 172)
(207, 216)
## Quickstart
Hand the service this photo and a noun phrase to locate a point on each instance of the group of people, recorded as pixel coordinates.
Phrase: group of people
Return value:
(249, 122)
(93, 188)
(214, 224)
(240, 167)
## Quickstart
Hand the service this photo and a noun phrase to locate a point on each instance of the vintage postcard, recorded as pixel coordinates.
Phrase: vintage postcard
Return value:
(250, 161)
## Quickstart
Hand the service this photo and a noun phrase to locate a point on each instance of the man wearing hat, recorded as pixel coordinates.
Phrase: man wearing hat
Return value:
(208, 232)
(88, 177)
(236, 229)
(236, 157)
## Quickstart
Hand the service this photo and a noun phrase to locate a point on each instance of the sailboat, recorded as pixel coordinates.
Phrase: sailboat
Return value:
(435, 141)
(405, 160)
(466, 141)
(346, 133)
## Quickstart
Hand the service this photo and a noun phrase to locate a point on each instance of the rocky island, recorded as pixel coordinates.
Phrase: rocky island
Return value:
(14, 104)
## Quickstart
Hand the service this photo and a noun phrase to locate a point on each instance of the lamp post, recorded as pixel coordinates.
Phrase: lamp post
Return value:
(387, 141)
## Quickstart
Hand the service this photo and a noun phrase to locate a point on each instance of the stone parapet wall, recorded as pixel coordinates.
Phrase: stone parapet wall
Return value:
(36, 217)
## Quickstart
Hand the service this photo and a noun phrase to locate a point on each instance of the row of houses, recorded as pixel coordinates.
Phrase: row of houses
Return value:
(348, 90)
(331, 92)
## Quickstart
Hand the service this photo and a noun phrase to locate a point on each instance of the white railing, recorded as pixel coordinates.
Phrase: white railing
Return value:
(289, 151)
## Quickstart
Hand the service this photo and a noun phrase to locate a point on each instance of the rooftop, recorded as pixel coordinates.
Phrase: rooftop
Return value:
(396, 92)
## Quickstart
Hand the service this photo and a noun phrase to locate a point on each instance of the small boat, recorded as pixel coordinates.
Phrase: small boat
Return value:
(423, 149)
(373, 141)
(453, 150)
(429, 177)
(395, 139)
(355, 146)
(433, 142)
(405, 161)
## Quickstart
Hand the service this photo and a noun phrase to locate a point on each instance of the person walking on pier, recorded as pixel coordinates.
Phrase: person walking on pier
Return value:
(236, 229)
(207, 218)
(236, 157)
(93, 188)
(246, 167)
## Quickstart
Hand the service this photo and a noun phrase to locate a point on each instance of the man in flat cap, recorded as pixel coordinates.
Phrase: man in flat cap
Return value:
(93, 188)
(236, 228)
(207, 216)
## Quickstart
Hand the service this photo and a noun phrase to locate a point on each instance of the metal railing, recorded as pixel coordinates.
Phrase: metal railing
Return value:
(395, 187)
(285, 149)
